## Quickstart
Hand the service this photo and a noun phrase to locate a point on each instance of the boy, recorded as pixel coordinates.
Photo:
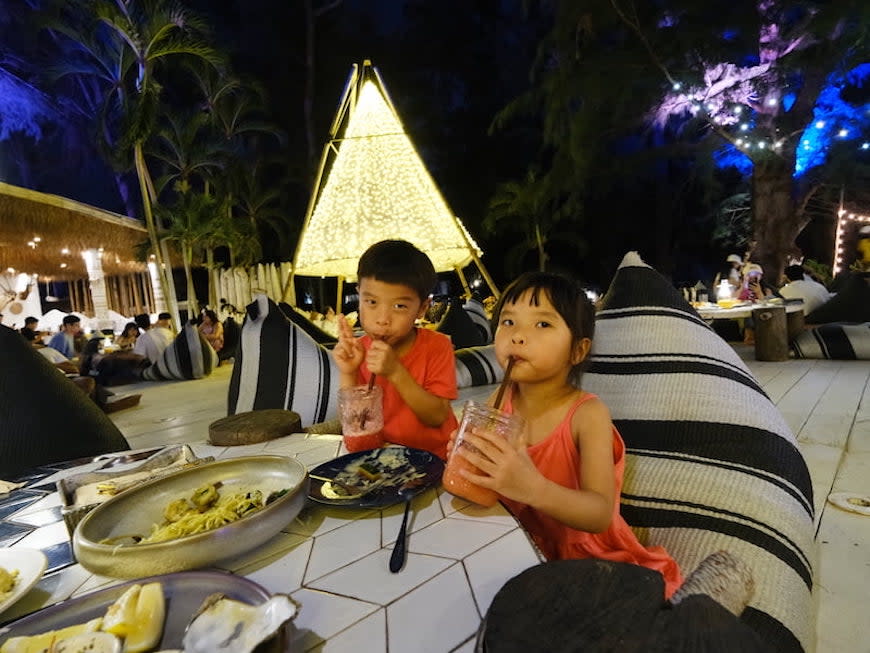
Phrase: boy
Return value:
(414, 366)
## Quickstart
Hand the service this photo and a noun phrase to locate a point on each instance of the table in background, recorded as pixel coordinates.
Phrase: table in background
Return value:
(333, 561)
(794, 318)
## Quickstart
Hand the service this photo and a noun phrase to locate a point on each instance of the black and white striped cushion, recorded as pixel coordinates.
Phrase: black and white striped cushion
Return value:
(189, 356)
(474, 307)
(278, 365)
(711, 464)
(835, 341)
(477, 366)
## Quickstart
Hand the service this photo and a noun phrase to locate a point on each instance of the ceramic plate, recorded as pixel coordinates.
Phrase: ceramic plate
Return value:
(417, 461)
(135, 511)
(184, 593)
(30, 565)
(852, 502)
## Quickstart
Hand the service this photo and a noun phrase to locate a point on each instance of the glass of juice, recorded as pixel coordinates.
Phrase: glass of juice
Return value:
(479, 417)
(361, 411)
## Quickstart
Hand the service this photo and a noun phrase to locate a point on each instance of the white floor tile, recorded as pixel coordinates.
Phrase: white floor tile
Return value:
(437, 617)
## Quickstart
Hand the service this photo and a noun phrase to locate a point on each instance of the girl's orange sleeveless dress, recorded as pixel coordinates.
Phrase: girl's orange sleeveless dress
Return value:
(557, 458)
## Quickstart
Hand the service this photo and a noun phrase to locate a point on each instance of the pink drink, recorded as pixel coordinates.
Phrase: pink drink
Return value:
(362, 417)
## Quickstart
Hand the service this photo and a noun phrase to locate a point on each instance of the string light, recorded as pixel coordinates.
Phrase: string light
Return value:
(843, 219)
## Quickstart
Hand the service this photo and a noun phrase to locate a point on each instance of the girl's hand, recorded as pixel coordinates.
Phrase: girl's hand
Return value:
(348, 352)
(451, 441)
(506, 468)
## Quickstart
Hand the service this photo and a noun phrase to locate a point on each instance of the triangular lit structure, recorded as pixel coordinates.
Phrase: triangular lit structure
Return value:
(376, 187)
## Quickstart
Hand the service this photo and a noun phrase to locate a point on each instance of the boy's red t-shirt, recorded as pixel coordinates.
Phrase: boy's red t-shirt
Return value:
(430, 362)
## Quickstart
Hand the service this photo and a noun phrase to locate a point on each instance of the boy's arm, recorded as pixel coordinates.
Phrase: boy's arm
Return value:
(348, 354)
(428, 408)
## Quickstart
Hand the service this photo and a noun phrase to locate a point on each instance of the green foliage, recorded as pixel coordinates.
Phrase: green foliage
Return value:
(822, 271)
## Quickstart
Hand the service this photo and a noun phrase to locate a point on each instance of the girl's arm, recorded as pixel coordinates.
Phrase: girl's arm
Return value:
(510, 472)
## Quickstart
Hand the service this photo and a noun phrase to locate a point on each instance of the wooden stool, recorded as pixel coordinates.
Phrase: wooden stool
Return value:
(254, 426)
(771, 334)
(795, 324)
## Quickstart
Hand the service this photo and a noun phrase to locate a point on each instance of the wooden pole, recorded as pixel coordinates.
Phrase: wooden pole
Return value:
(771, 333)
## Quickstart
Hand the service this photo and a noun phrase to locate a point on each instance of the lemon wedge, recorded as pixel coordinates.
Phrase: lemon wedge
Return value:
(121, 615)
(147, 626)
(44, 641)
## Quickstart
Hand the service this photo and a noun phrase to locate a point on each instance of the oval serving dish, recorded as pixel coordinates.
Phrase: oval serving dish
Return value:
(136, 511)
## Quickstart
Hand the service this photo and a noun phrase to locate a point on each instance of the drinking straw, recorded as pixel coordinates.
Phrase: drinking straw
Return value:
(504, 383)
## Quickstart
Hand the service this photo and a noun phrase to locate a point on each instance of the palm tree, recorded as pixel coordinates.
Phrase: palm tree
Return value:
(137, 37)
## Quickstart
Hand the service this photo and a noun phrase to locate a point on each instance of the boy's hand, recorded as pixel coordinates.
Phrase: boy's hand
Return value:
(348, 352)
(381, 359)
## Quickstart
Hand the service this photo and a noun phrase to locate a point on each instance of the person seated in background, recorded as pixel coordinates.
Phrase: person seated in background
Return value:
(799, 286)
(755, 289)
(156, 339)
(735, 274)
(127, 340)
(212, 329)
(64, 340)
(29, 329)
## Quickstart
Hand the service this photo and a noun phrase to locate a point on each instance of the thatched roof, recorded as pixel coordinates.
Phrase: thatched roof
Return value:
(63, 224)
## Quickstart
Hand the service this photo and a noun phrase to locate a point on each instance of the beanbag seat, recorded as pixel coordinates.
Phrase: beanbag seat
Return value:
(477, 313)
(279, 365)
(187, 357)
(457, 324)
(834, 341)
(850, 304)
(477, 366)
(45, 418)
(711, 464)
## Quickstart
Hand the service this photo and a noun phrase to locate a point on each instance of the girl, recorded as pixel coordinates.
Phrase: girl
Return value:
(563, 482)
(212, 329)
(127, 340)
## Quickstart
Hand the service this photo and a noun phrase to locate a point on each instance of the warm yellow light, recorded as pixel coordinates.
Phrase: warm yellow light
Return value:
(63, 265)
(378, 188)
(65, 250)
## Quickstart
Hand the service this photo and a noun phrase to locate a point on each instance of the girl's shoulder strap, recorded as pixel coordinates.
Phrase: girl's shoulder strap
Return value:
(582, 399)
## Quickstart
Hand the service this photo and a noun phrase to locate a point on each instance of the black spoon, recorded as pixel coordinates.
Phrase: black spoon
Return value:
(400, 550)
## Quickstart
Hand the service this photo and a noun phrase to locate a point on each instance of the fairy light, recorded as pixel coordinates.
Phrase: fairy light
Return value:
(378, 187)
(843, 219)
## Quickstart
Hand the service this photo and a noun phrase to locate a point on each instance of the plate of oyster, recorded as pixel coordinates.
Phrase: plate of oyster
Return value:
(192, 518)
(189, 612)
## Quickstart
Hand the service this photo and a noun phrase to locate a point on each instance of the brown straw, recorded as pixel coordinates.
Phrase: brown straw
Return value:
(504, 383)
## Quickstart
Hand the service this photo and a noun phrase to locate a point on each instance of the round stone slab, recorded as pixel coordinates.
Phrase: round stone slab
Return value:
(254, 426)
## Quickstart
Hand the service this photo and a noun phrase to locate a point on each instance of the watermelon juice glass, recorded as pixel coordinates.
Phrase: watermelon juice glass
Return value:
(361, 410)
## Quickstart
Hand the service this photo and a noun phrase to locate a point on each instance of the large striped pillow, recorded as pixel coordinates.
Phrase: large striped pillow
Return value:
(711, 464)
(474, 308)
(278, 365)
(477, 366)
(835, 341)
(189, 356)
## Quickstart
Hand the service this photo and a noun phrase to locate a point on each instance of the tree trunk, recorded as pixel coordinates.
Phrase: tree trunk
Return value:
(150, 223)
(775, 218)
(192, 302)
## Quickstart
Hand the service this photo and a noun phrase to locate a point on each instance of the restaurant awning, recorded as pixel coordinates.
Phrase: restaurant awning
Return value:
(46, 235)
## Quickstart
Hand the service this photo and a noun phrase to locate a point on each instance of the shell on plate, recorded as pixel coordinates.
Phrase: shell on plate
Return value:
(223, 624)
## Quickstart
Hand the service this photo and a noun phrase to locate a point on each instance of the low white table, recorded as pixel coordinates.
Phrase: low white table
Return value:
(716, 312)
(334, 563)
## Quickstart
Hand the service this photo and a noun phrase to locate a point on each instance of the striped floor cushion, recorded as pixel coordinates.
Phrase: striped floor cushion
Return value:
(477, 366)
(278, 365)
(474, 308)
(835, 341)
(187, 357)
(711, 464)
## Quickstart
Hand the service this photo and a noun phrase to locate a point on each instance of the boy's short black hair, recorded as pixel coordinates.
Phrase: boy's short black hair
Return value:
(164, 316)
(30, 320)
(398, 261)
(71, 319)
(143, 321)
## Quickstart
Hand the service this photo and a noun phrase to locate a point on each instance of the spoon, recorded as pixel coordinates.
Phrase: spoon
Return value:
(400, 550)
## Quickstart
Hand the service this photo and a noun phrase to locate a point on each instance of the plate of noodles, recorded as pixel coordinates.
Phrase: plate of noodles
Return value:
(20, 570)
(192, 518)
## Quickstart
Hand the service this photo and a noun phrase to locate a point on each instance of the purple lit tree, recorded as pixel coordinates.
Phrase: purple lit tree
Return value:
(773, 88)
(779, 109)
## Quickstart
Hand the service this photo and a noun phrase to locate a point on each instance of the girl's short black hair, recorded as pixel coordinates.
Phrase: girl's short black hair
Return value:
(569, 299)
(398, 261)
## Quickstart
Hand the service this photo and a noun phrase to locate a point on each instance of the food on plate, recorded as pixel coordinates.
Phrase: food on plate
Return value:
(132, 624)
(8, 579)
(44, 641)
(381, 468)
(205, 510)
(223, 625)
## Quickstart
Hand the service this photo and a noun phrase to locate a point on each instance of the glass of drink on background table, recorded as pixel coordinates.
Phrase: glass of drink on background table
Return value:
(361, 410)
(479, 417)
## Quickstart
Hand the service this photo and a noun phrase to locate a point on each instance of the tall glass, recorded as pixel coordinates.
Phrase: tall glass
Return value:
(478, 417)
(362, 417)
